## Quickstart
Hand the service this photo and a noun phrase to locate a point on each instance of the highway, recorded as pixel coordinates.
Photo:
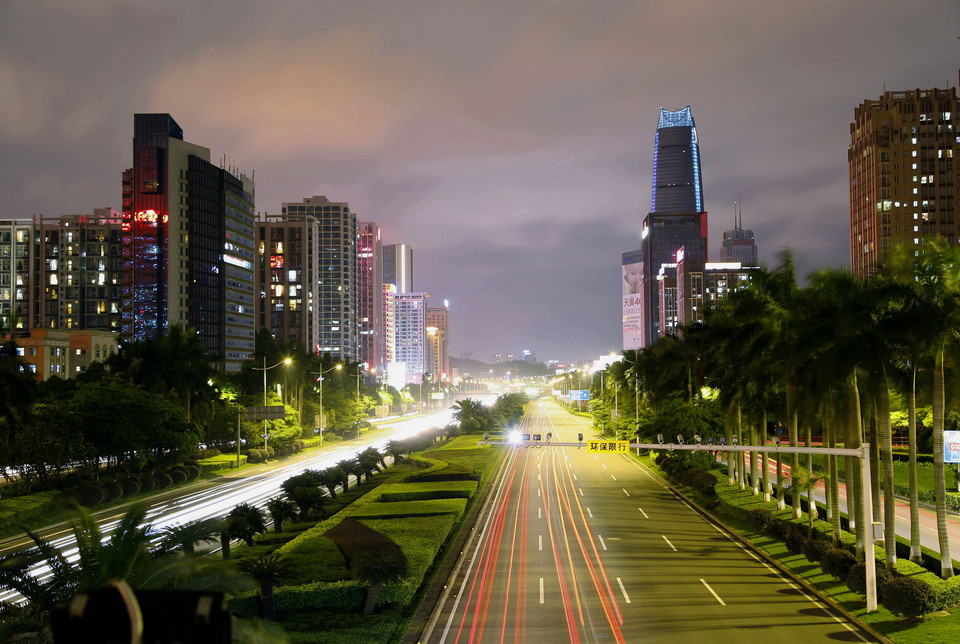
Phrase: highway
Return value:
(207, 499)
(579, 547)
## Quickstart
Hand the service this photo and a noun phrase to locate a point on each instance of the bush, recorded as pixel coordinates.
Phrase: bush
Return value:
(208, 453)
(282, 449)
(112, 491)
(254, 456)
(795, 542)
(703, 481)
(837, 563)
(909, 596)
(87, 495)
(193, 472)
(814, 549)
(857, 579)
(178, 475)
(131, 486)
(147, 483)
(760, 519)
(780, 529)
(162, 480)
(270, 451)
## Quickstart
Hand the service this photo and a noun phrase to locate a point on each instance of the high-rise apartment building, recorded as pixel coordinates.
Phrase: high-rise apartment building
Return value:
(904, 186)
(17, 252)
(388, 319)
(438, 363)
(370, 299)
(410, 330)
(676, 220)
(78, 272)
(398, 267)
(187, 244)
(333, 297)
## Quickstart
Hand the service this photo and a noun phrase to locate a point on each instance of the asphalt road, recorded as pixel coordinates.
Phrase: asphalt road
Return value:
(580, 547)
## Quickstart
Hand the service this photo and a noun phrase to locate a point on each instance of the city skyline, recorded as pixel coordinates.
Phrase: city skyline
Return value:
(510, 145)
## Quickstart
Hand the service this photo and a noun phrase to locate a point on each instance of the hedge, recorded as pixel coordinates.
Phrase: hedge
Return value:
(15, 507)
(343, 595)
(428, 490)
(400, 509)
(221, 462)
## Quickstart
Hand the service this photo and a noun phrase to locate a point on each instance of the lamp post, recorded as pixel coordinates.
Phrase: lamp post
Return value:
(265, 369)
(320, 379)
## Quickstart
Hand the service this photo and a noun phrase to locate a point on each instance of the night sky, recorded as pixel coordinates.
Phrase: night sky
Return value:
(510, 143)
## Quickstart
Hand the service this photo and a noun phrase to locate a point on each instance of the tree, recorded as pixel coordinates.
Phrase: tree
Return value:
(187, 536)
(244, 522)
(375, 568)
(304, 490)
(330, 478)
(281, 510)
(266, 570)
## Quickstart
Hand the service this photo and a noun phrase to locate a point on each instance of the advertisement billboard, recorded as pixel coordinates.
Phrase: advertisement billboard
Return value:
(951, 447)
(631, 286)
(579, 394)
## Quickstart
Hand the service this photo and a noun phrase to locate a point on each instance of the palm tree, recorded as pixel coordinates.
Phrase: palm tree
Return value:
(245, 522)
(304, 490)
(266, 570)
(375, 568)
(349, 466)
(396, 450)
(280, 510)
(186, 537)
(330, 478)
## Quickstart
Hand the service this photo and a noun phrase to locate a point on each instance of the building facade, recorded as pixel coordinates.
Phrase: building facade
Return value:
(335, 293)
(17, 279)
(438, 319)
(904, 186)
(398, 267)
(677, 185)
(188, 243)
(370, 299)
(410, 331)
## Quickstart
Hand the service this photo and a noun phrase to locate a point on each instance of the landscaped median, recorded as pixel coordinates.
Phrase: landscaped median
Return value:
(810, 557)
(415, 509)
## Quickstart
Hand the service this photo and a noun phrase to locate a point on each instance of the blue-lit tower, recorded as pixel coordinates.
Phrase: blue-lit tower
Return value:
(676, 164)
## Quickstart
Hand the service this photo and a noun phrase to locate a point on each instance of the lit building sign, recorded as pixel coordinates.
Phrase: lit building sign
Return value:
(276, 261)
(149, 217)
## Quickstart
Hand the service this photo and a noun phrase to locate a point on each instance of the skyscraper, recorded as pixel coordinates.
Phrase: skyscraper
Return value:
(410, 328)
(903, 184)
(676, 164)
(438, 319)
(739, 244)
(187, 244)
(370, 300)
(398, 267)
(335, 294)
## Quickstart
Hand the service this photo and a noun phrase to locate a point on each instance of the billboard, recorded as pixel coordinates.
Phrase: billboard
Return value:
(951, 447)
(579, 394)
(631, 286)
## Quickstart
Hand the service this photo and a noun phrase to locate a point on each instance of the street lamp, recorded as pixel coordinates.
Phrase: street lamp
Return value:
(336, 367)
(265, 369)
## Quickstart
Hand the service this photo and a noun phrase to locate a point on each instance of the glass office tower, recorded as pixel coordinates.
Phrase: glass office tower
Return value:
(676, 164)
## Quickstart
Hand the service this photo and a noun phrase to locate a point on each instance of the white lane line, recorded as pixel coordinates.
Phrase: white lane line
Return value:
(538, 491)
(623, 590)
(625, 492)
(604, 545)
(540, 541)
(539, 513)
(541, 590)
(590, 513)
(668, 542)
(604, 465)
(715, 595)
(580, 490)
(538, 477)
(575, 478)
(643, 513)
(613, 477)
(598, 458)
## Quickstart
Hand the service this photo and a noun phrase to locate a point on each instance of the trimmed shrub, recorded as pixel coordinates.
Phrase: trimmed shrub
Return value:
(193, 472)
(270, 451)
(281, 450)
(780, 529)
(703, 481)
(87, 495)
(162, 480)
(837, 563)
(112, 491)
(131, 486)
(814, 549)
(760, 519)
(254, 456)
(147, 483)
(795, 542)
(208, 453)
(857, 579)
(178, 475)
(909, 596)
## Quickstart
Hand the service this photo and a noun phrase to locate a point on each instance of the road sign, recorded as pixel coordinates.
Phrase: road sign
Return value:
(260, 412)
(579, 394)
(951, 447)
(608, 447)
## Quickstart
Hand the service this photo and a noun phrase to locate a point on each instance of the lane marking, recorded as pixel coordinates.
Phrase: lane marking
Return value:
(668, 542)
(539, 513)
(604, 465)
(575, 478)
(613, 477)
(590, 513)
(643, 513)
(538, 491)
(625, 492)
(602, 544)
(715, 595)
(623, 590)
(580, 490)
(540, 540)
(541, 590)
